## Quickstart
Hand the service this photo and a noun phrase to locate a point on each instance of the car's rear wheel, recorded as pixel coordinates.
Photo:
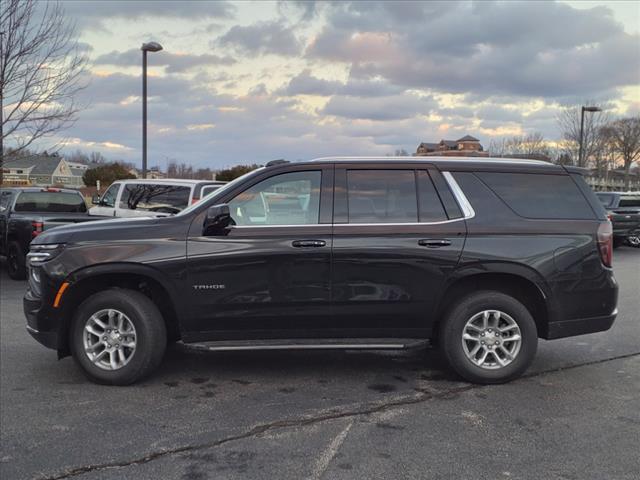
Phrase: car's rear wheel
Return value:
(634, 241)
(118, 336)
(489, 337)
(16, 262)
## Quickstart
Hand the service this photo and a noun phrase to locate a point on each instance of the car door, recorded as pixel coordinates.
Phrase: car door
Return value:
(394, 245)
(107, 203)
(268, 274)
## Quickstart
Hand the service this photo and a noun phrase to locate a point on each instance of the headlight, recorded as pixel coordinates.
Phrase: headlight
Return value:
(44, 252)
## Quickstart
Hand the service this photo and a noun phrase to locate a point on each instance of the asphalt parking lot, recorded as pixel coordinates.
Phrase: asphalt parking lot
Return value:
(338, 415)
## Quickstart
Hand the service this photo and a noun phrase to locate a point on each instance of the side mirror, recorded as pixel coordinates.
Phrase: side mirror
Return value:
(95, 200)
(218, 218)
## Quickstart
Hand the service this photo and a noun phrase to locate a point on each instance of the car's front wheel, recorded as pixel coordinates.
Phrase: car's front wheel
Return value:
(489, 337)
(118, 336)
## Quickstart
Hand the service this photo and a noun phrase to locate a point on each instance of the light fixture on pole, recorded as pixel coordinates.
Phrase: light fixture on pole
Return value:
(584, 109)
(146, 47)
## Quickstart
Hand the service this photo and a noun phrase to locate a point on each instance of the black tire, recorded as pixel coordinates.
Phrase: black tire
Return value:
(16, 262)
(151, 335)
(452, 329)
(634, 241)
(617, 242)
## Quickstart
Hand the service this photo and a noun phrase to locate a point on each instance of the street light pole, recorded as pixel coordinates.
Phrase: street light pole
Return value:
(584, 109)
(146, 47)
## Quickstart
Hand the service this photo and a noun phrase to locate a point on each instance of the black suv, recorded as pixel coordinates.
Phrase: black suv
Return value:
(481, 257)
(623, 209)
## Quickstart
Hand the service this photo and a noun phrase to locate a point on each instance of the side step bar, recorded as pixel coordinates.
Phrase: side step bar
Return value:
(313, 344)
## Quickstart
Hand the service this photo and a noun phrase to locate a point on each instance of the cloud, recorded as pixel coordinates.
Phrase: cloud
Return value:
(131, 9)
(343, 78)
(262, 38)
(527, 49)
(379, 108)
(306, 84)
(175, 62)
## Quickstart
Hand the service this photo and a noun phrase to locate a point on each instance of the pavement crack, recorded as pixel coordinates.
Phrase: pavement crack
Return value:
(422, 396)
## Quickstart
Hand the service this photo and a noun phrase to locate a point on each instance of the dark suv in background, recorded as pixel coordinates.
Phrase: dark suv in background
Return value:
(26, 212)
(480, 257)
(623, 209)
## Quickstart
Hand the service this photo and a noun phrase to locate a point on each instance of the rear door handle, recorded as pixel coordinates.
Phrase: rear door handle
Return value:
(308, 243)
(434, 243)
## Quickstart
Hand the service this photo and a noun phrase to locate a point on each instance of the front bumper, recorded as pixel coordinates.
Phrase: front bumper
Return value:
(580, 326)
(40, 324)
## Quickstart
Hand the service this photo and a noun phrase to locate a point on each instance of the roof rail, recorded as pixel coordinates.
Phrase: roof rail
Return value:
(276, 162)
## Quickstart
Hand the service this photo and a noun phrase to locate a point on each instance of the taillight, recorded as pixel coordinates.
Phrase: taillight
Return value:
(36, 228)
(194, 200)
(605, 242)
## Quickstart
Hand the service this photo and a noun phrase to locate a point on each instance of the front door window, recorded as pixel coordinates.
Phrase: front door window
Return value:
(287, 199)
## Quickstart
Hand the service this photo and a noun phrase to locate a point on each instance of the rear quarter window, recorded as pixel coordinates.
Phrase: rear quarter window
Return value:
(539, 195)
(629, 201)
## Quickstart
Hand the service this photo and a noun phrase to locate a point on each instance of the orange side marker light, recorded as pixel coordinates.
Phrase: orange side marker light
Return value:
(61, 290)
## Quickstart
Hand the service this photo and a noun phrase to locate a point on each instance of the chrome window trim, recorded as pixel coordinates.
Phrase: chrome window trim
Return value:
(416, 224)
(463, 202)
(467, 213)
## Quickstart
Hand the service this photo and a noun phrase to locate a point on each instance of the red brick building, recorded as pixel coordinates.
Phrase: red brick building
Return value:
(466, 146)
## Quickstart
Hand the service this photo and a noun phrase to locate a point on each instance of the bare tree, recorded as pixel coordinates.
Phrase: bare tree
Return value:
(532, 145)
(569, 123)
(606, 155)
(625, 137)
(41, 71)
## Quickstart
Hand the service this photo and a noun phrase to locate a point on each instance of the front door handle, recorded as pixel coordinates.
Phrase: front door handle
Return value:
(308, 243)
(434, 243)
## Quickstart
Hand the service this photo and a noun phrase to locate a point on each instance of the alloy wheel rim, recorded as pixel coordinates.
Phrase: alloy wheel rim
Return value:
(491, 339)
(109, 339)
(634, 241)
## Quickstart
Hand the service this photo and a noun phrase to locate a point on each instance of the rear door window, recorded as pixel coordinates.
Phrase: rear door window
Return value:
(382, 196)
(156, 198)
(539, 195)
(50, 202)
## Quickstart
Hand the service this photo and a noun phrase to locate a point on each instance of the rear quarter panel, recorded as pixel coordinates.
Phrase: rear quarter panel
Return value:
(559, 256)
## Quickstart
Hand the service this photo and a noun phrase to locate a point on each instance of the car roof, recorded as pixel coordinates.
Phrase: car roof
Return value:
(172, 181)
(447, 163)
(434, 159)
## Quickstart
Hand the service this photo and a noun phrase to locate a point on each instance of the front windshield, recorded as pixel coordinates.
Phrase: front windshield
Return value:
(219, 191)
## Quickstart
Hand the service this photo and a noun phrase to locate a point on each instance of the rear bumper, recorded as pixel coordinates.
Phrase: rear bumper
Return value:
(624, 229)
(581, 326)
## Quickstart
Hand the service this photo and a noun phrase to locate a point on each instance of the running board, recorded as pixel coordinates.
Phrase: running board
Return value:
(313, 344)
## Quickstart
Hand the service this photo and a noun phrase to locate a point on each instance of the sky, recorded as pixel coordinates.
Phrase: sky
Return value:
(248, 82)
